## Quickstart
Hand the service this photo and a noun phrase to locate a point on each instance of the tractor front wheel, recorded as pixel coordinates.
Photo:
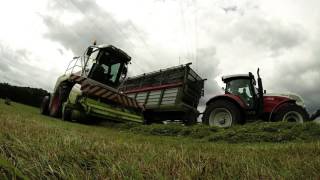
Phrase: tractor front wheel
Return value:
(222, 113)
(291, 113)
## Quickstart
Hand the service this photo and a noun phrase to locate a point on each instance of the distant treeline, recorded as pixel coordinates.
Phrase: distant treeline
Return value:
(24, 95)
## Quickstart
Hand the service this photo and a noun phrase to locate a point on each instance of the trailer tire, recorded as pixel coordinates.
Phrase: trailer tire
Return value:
(190, 119)
(222, 113)
(291, 113)
(44, 107)
(66, 114)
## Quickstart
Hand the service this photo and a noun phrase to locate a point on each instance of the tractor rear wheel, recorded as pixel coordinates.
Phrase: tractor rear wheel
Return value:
(222, 113)
(291, 113)
(44, 108)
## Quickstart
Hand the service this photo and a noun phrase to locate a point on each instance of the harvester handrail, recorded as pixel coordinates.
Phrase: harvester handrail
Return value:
(75, 64)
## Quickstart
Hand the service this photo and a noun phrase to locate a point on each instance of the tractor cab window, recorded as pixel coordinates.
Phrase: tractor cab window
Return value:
(241, 88)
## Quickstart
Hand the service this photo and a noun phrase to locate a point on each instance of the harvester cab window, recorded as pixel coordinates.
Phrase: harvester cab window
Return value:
(114, 72)
(241, 88)
(91, 60)
(104, 67)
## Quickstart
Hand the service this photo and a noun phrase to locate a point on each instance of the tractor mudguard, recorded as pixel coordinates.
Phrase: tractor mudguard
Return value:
(278, 106)
(230, 97)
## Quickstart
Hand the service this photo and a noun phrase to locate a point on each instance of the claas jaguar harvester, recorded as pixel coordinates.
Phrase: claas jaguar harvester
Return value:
(89, 87)
(245, 100)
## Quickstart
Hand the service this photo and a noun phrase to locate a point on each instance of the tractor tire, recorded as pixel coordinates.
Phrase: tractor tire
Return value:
(291, 113)
(44, 108)
(222, 113)
(59, 97)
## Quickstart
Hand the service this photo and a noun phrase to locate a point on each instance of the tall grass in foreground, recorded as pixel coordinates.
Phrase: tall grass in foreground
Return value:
(40, 147)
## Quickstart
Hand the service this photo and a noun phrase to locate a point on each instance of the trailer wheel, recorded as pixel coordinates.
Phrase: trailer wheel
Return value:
(222, 113)
(66, 114)
(59, 97)
(44, 108)
(291, 113)
(190, 119)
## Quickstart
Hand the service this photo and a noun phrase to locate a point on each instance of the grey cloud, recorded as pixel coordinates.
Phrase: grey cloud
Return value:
(15, 69)
(230, 9)
(273, 35)
(208, 68)
(94, 24)
(302, 77)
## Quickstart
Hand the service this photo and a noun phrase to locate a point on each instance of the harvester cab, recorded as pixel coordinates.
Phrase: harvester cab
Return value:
(90, 87)
(106, 64)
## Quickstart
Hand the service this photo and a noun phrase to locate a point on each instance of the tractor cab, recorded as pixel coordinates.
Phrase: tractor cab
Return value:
(106, 64)
(244, 86)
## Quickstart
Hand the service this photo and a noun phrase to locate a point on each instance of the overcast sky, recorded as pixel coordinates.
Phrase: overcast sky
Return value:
(38, 39)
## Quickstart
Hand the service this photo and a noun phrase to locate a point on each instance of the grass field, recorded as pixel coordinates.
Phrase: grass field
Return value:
(39, 147)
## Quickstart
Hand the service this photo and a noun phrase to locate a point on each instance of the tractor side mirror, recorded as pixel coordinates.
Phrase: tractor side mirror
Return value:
(264, 91)
(89, 51)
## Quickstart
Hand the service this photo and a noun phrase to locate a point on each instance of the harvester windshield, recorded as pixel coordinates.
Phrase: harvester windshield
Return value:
(107, 65)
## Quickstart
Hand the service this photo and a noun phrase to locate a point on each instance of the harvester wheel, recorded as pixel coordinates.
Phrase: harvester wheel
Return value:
(59, 97)
(44, 108)
(222, 113)
(291, 113)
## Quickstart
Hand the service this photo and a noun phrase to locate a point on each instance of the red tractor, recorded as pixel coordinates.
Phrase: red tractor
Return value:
(243, 102)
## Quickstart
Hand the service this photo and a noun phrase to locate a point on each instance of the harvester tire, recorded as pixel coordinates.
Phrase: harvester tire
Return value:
(291, 113)
(44, 108)
(59, 97)
(222, 113)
